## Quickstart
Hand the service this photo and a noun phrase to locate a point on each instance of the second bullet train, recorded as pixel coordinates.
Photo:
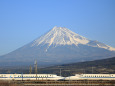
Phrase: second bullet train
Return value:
(91, 77)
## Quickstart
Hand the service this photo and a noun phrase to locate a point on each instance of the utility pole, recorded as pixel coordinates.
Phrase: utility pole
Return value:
(30, 71)
(35, 64)
(60, 71)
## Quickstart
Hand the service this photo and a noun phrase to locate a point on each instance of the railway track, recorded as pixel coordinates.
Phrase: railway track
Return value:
(60, 83)
(67, 83)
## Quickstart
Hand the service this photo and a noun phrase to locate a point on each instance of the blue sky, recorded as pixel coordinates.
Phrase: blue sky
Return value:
(22, 21)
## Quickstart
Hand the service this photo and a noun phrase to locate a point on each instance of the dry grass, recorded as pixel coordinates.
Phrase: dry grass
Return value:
(49, 83)
(8, 83)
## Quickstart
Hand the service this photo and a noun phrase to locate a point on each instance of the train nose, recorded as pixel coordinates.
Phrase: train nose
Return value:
(67, 78)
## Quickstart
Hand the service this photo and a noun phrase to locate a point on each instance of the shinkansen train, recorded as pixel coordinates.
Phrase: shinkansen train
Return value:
(91, 77)
(30, 77)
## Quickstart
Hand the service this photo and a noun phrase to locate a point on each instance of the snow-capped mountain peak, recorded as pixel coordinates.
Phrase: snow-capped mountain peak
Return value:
(61, 36)
(64, 36)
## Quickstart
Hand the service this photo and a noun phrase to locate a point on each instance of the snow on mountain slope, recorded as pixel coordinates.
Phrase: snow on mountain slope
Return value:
(63, 36)
(100, 45)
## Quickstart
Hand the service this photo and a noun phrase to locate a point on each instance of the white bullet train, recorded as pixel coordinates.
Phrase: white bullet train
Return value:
(91, 77)
(30, 77)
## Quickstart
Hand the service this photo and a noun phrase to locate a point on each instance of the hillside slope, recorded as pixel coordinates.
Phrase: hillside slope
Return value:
(97, 66)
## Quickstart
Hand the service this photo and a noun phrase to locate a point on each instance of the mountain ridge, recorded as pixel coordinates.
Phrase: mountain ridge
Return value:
(104, 66)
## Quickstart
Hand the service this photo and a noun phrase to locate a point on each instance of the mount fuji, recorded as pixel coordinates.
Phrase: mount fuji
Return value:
(59, 46)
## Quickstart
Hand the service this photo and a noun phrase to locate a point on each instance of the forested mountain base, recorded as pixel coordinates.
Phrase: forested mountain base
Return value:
(105, 66)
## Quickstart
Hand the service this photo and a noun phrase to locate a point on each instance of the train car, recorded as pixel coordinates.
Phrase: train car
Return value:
(91, 77)
(30, 77)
